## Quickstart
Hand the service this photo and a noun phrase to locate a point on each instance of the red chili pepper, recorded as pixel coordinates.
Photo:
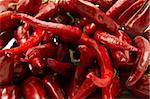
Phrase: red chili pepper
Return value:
(139, 21)
(90, 11)
(8, 23)
(112, 90)
(6, 67)
(33, 88)
(86, 88)
(118, 8)
(29, 6)
(53, 87)
(142, 64)
(141, 88)
(86, 60)
(146, 34)
(129, 12)
(22, 34)
(113, 42)
(34, 39)
(5, 37)
(81, 22)
(57, 66)
(89, 29)
(71, 32)
(36, 54)
(48, 10)
(10, 92)
(118, 55)
(103, 61)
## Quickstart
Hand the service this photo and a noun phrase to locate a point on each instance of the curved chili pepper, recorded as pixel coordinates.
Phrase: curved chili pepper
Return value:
(34, 39)
(29, 6)
(86, 58)
(141, 88)
(5, 37)
(90, 11)
(86, 88)
(8, 23)
(22, 34)
(57, 66)
(10, 92)
(6, 67)
(139, 21)
(103, 61)
(61, 30)
(113, 42)
(33, 88)
(36, 54)
(142, 64)
(53, 87)
(118, 8)
(128, 13)
(89, 29)
(111, 91)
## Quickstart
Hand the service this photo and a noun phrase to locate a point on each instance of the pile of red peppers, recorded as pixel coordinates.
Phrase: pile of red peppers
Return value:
(74, 49)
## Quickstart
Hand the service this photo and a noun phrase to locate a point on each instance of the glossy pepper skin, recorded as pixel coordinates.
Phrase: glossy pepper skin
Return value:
(143, 62)
(53, 87)
(8, 23)
(129, 12)
(10, 91)
(6, 67)
(33, 88)
(28, 6)
(141, 88)
(113, 42)
(90, 11)
(81, 22)
(34, 39)
(60, 67)
(139, 21)
(118, 8)
(70, 32)
(36, 54)
(89, 29)
(112, 90)
(103, 59)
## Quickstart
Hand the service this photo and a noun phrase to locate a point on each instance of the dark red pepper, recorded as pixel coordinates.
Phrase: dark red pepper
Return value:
(81, 22)
(129, 12)
(8, 23)
(146, 34)
(71, 32)
(89, 29)
(118, 8)
(53, 87)
(10, 92)
(139, 21)
(6, 67)
(113, 42)
(60, 67)
(143, 62)
(33, 88)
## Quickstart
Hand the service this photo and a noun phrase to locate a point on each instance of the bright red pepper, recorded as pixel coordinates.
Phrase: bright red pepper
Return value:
(6, 67)
(60, 67)
(34, 39)
(10, 92)
(129, 12)
(143, 62)
(71, 32)
(118, 8)
(103, 61)
(53, 87)
(33, 88)
(139, 21)
(113, 42)
(89, 29)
